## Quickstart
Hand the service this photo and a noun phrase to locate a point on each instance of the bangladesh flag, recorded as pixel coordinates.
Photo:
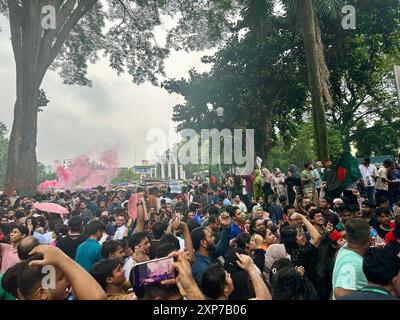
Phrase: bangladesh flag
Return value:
(347, 169)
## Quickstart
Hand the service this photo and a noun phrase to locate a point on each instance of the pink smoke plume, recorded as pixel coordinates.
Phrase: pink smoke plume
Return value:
(86, 173)
(49, 184)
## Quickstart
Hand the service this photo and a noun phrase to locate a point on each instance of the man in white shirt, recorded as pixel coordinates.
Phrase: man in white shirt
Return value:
(382, 184)
(120, 224)
(369, 175)
(318, 171)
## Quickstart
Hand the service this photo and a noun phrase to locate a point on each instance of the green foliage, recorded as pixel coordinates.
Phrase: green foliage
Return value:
(378, 140)
(302, 148)
(42, 100)
(257, 78)
(44, 175)
(126, 175)
(361, 64)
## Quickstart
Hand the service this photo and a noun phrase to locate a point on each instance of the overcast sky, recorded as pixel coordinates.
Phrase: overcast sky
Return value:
(114, 112)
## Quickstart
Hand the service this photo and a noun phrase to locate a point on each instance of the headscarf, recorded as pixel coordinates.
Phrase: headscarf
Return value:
(255, 208)
(267, 175)
(295, 171)
(258, 180)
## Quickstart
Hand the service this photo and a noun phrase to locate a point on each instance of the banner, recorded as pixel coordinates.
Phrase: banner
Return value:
(176, 188)
(143, 170)
(259, 162)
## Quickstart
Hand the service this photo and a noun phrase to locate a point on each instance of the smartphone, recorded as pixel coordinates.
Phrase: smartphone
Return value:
(153, 271)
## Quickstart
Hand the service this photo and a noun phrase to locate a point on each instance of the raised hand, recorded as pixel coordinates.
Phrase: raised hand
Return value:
(245, 262)
(225, 219)
(52, 256)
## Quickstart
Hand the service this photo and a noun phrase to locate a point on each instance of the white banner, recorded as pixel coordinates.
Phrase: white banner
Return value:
(259, 162)
(397, 78)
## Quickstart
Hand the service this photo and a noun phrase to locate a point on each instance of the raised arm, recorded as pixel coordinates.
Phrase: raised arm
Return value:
(260, 288)
(179, 225)
(223, 243)
(297, 206)
(140, 215)
(314, 234)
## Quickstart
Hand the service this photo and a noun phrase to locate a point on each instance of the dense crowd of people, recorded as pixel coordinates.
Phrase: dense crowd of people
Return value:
(263, 236)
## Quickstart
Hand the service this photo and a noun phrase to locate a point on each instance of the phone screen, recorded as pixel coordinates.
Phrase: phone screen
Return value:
(153, 271)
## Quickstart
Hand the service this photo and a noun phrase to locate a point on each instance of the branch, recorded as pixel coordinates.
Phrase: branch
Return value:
(83, 7)
(354, 109)
(365, 130)
(49, 35)
(366, 113)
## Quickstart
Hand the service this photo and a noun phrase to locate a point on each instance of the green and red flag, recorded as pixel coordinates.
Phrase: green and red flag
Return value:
(347, 169)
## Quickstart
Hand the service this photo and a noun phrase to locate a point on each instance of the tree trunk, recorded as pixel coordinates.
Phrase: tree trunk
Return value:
(307, 22)
(21, 162)
(268, 140)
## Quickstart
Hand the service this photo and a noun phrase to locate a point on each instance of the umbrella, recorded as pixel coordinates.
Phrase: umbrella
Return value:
(50, 207)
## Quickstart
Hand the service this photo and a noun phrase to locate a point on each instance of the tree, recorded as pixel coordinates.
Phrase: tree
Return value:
(257, 78)
(301, 148)
(382, 138)
(78, 35)
(44, 175)
(126, 175)
(361, 63)
(304, 13)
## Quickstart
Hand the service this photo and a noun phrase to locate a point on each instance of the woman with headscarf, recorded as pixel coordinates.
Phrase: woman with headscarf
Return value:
(257, 185)
(278, 183)
(293, 180)
(266, 188)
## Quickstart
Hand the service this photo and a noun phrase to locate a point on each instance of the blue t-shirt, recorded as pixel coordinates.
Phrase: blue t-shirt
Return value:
(88, 253)
(227, 202)
(235, 230)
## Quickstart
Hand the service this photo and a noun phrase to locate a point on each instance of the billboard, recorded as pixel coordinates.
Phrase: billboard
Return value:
(143, 170)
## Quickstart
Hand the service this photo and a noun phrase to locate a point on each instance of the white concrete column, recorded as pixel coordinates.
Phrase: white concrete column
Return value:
(162, 171)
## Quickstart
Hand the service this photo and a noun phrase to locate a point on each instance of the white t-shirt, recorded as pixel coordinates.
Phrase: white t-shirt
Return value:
(128, 266)
(368, 173)
(241, 206)
(181, 244)
(119, 234)
(48, 236)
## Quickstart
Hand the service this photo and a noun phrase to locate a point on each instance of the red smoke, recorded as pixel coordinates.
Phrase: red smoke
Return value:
(86, 173)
